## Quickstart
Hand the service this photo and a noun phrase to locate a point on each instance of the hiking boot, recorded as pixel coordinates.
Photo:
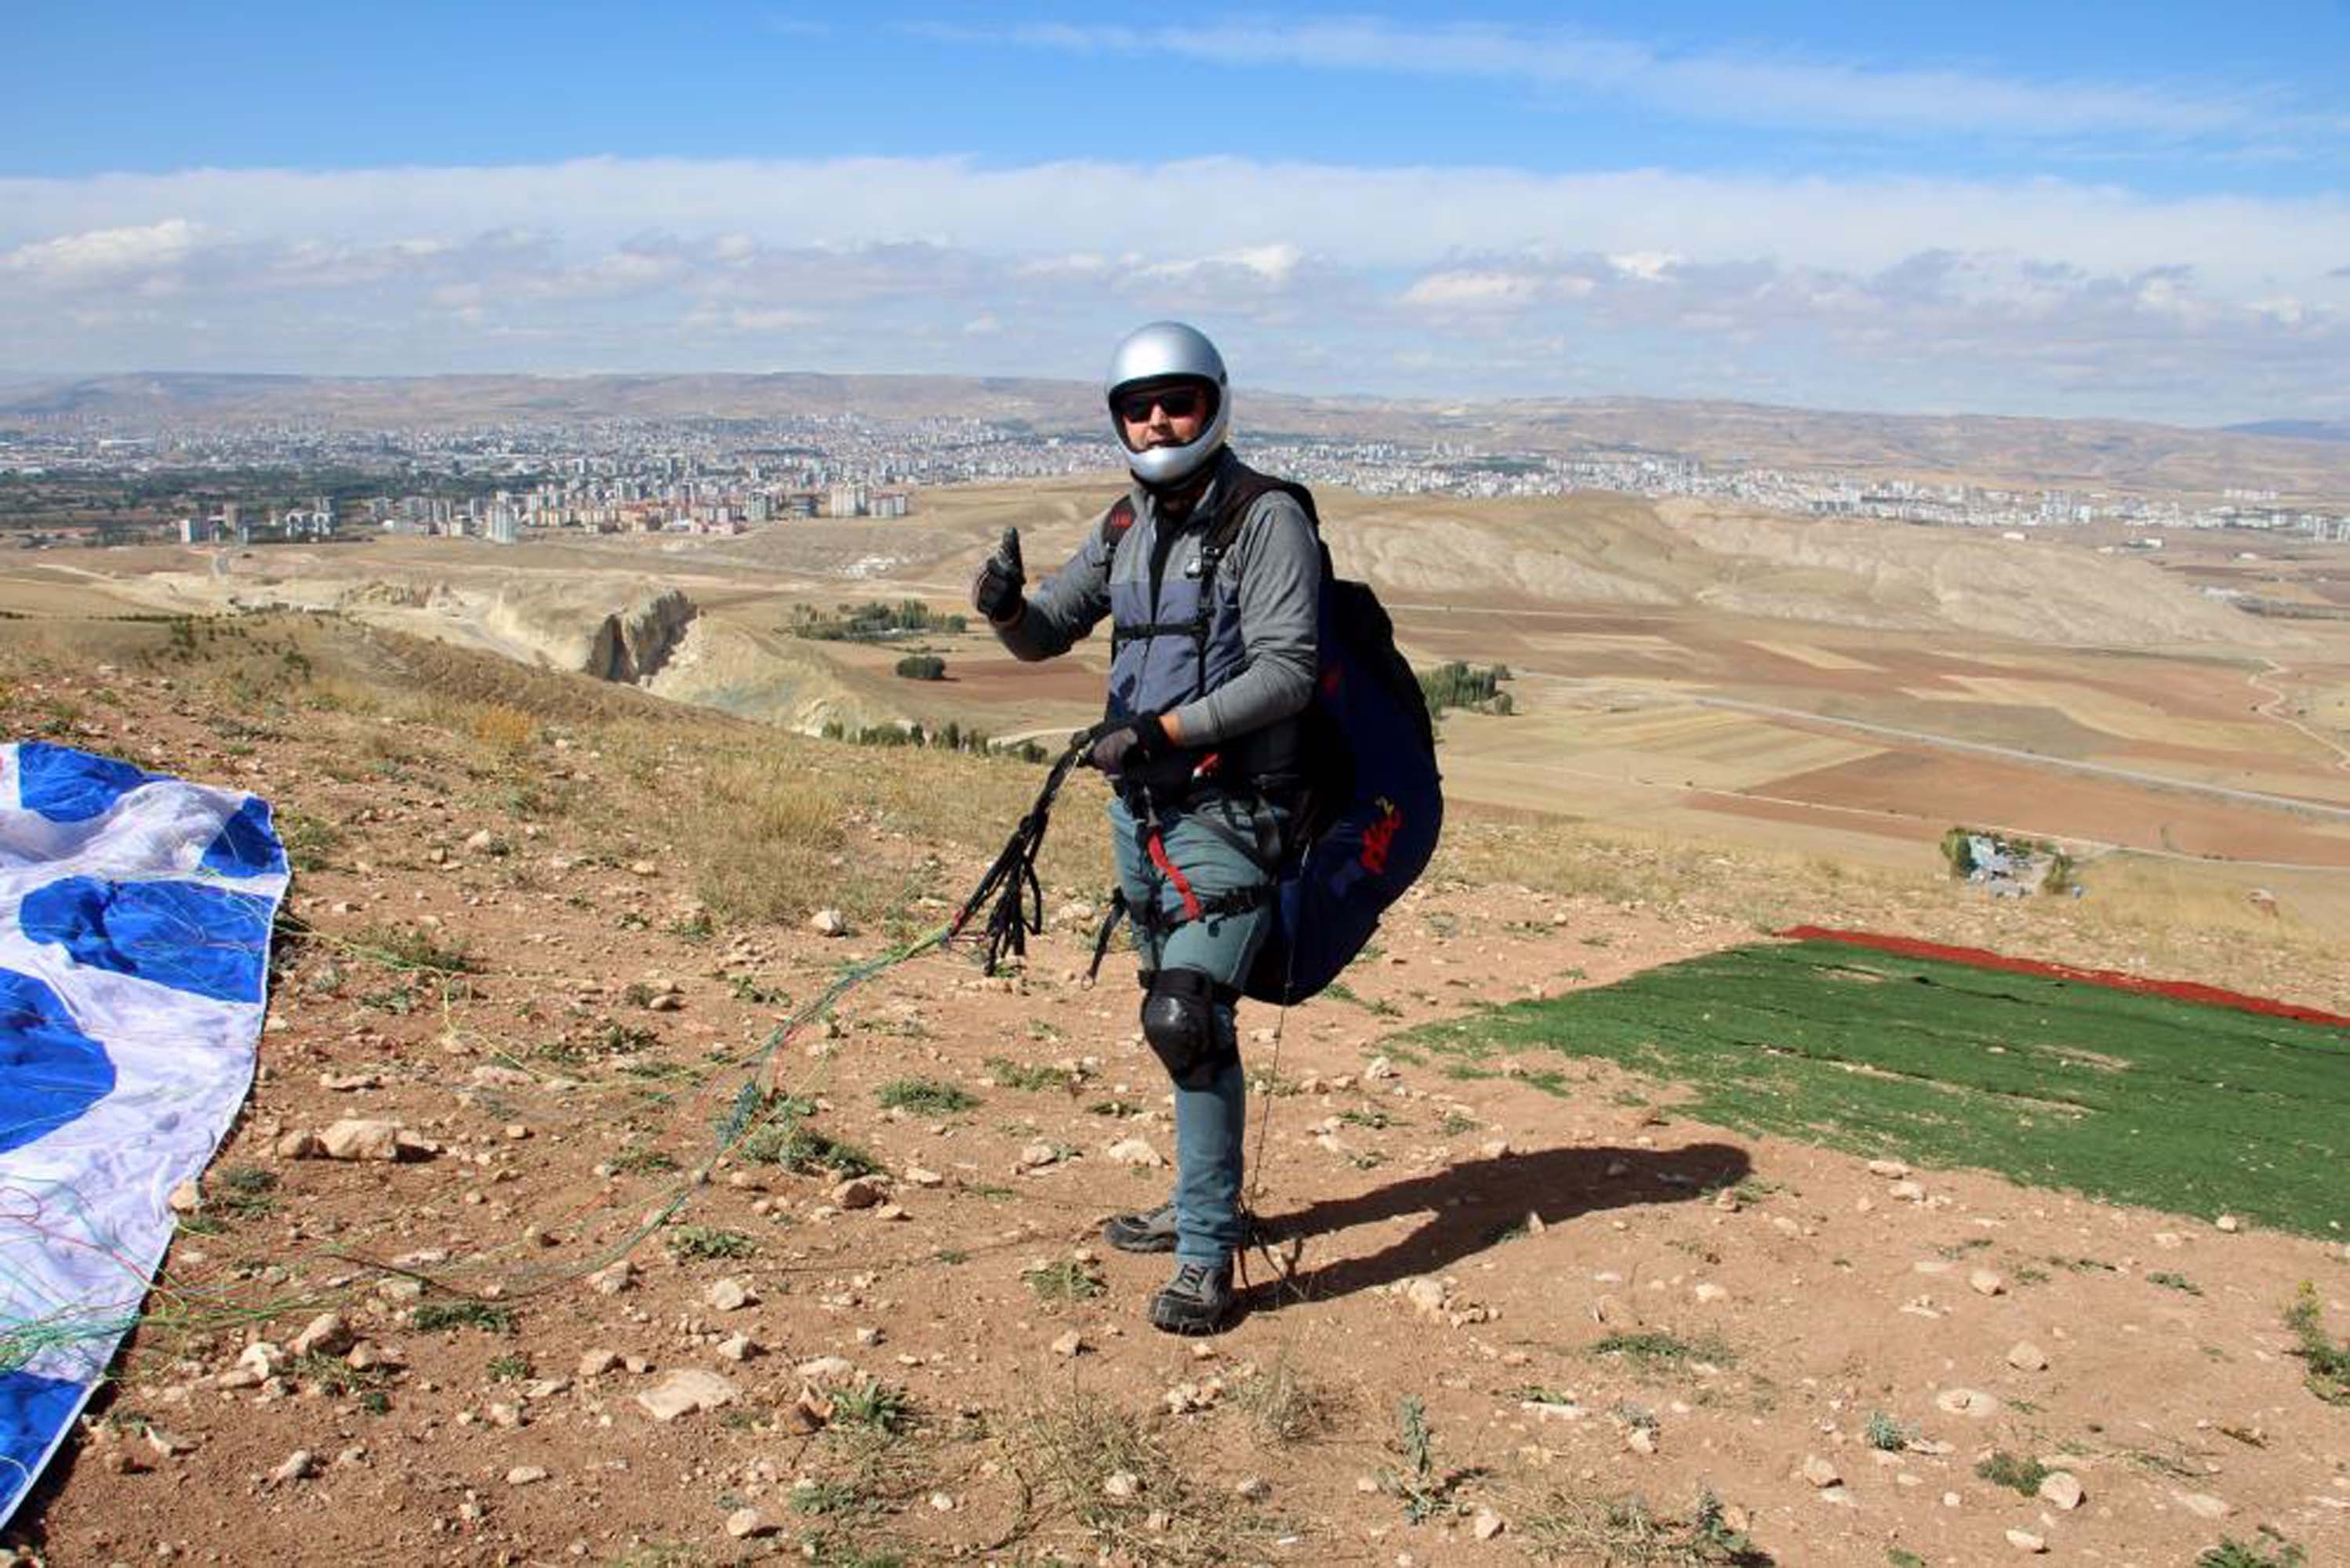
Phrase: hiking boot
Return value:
(1196, 1301)
(1152, 1231)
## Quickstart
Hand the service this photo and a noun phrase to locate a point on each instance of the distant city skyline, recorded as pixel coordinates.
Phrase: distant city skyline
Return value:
(2055, 214)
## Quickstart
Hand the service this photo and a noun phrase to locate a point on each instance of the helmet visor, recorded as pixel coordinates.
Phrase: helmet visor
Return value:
(1180, 401)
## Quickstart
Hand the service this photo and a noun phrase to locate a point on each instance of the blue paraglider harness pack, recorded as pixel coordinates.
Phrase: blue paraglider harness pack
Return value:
(1369, 803)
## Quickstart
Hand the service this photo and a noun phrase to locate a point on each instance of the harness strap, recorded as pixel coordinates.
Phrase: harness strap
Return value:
(1119, 910)
(1239, 901)
(1157, 845)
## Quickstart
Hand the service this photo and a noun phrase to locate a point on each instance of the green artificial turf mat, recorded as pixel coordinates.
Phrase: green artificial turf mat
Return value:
(2124, 1096)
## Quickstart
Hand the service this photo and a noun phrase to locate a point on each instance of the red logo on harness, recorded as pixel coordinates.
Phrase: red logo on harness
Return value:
(1378, 835)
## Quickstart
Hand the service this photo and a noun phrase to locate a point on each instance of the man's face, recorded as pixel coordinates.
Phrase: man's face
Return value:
(1171, 415)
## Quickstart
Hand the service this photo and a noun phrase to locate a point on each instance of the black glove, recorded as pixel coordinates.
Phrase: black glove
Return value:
(1131, 746)
(995, 592)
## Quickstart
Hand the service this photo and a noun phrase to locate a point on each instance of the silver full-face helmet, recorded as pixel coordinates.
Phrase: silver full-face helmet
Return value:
(1170, 354)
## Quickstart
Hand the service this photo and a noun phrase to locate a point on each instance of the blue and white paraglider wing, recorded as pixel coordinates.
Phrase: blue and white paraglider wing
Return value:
(135, 913)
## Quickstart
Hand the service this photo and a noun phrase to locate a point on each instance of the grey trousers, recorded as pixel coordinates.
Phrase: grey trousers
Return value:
(1210, 1121)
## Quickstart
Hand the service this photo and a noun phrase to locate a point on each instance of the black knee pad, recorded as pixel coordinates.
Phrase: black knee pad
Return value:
(1193, 1038)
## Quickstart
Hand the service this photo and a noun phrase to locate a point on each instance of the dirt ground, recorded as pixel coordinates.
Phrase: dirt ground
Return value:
(1829, 1349)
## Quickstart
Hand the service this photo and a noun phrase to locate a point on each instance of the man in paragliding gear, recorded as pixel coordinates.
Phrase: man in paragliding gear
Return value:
(1213, 661)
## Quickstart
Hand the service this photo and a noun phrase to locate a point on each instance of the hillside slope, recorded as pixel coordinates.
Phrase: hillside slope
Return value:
(555, 927)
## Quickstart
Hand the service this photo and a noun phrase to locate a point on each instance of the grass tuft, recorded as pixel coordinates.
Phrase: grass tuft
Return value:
(432, 1316)
(2329, 1362)
(1625, 1533)
(1283, 1404)
(1653, 1351)
(1066, 1281)
(1020, 1075)
(689, 1242)
(1065, 1451)
(925, 1097)
(2013, 1471)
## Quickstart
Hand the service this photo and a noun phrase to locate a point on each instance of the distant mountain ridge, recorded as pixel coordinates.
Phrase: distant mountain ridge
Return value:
(2306, 461)
(2296, 429)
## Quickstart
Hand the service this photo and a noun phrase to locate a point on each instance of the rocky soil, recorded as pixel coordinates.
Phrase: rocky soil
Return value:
(474, 1282)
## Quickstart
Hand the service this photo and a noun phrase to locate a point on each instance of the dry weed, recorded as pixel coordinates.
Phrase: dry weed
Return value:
(1284, 1406)
(1067, 1452)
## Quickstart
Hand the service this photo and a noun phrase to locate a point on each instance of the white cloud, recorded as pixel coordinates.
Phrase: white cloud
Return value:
(1475, 289)
(102, 255)
(885, 263)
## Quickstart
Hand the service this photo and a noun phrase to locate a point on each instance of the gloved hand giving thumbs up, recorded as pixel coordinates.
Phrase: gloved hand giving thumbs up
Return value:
(995, 592)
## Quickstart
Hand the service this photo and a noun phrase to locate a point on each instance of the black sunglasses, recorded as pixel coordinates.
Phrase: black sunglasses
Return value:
(1180, 403)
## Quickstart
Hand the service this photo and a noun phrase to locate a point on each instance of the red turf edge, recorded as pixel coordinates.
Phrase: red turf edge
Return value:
(1982, 957)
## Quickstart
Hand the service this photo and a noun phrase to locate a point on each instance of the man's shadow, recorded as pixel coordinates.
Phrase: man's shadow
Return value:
(1480, 1204)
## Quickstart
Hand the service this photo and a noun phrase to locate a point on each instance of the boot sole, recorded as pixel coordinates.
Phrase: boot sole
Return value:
(1167, 1322)
(1145, 1244)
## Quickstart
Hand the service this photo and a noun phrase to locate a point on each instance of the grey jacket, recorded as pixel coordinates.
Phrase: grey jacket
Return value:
(1272, 577)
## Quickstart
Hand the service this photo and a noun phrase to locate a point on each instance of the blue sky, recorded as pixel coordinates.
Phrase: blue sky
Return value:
(2137, 212)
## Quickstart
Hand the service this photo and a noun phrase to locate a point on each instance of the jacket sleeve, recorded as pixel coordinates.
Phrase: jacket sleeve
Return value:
(1068, 606)
(1276, 566)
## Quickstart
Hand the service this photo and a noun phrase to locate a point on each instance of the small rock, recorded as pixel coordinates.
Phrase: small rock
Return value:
(1907, 1191)
(185, 1199)
(1486, 1525)
(744, 1523)
(1070, 1343)
(595, 1363)
(480, 839)
(360, 1139)
(2229, 1223)
(2062, 1488)
(612, 1280)
(828, 923)
(524, 1475)
(168, 1443)
(1987, 1282)
(1253, 1489)
(827, 1369)
(1037, 1156)
(326, 1335)
(1120, 1486)
(917, 1176)
(1426, 1296)
(299, 1465)
(2203, 1505)
(1821, 1473)
(684, 1391)
(1965, 1402)
(2024, 1540)
(2026, 1356)
(729, 1295)
(1379, 1067)
(1641, 1439)
(738, 1347)
(1706, 1291)
(859, 1192)
(1135, 1152)
(1891, 1170)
